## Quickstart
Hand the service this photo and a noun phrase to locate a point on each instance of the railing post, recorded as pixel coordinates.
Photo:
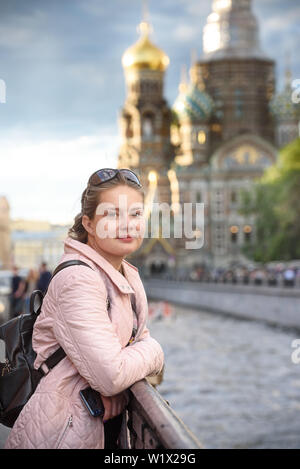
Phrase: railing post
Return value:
(153, 424)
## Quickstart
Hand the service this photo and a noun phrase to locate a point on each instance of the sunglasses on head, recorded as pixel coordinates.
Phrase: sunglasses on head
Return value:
(106, 174)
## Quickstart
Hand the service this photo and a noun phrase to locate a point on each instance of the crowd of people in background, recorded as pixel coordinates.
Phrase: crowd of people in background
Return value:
(269, 276)
(278, 275)
(22, 287)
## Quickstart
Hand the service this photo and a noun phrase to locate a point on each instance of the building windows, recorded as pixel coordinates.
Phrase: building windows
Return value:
(129, 127)
(198, 197)
(201, 137)
(134, 88)
(219, 239)
(150, 87)
(148, 126)
(194, 137)
(218, 204)
(217, 128)
(238, 103)
(219, 104)
(233, 198)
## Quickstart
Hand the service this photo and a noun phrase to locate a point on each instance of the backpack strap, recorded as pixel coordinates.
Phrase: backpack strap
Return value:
(65, 264)
(59, 354)
(52, 361)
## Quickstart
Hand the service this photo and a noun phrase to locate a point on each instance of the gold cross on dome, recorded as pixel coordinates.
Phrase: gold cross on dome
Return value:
(145, 11)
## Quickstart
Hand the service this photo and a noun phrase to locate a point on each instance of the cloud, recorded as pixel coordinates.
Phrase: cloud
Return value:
(14, 37)
(44, 179)
(196, 8)
(186, 33)
(93, 7)
(24, 33)
(61, 61)
(288, 19)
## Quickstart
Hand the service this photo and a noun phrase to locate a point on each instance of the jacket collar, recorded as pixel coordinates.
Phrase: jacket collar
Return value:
(124, 283)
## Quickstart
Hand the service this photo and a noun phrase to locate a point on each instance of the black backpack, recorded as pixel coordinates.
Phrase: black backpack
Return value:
(18, 378)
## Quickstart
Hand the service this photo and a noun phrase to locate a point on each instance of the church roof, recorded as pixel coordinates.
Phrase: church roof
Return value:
(193, 104)
(165, 244)
(144, 54)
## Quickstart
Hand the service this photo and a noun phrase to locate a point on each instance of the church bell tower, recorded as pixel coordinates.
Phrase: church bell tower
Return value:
(145, 119)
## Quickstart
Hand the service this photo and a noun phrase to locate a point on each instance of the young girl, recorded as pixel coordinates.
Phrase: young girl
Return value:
(98, 316)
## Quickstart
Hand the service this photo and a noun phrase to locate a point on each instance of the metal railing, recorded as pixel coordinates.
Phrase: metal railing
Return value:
(274, 283)
(152, 423)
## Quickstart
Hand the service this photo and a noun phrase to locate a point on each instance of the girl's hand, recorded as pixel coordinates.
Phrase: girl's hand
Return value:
(114, 405)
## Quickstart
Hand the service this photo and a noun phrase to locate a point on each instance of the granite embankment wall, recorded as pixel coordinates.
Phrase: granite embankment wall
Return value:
(274, 305)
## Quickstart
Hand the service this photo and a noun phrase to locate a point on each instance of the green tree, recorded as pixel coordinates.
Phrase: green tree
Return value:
(275, 203)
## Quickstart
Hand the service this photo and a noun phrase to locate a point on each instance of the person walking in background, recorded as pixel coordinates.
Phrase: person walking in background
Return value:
(31, 280)
(44, 278)
(18, 287)
(289, 277)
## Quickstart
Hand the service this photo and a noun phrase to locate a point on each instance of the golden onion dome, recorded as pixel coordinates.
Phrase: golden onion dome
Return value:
(144, 54)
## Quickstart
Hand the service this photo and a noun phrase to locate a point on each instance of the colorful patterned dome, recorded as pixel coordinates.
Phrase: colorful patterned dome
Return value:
(193, 104)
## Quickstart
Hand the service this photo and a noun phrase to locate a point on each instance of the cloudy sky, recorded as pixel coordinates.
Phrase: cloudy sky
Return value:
(61, 63)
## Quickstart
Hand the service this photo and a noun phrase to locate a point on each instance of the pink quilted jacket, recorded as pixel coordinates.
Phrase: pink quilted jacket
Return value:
(75, 315)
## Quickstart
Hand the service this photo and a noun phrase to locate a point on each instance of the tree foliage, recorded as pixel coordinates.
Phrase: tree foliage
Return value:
(275, 203)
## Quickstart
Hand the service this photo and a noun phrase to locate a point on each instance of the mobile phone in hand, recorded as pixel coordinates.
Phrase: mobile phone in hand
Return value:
(93, 402)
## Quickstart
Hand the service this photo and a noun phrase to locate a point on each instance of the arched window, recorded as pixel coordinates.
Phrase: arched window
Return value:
(238, 103)
(201, 137)
(148, 125)
(129, 127)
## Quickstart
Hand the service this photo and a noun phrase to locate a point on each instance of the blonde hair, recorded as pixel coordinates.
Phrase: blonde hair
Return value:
(90, 199)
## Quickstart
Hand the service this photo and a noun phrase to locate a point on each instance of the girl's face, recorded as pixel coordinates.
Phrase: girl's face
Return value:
(118, 225)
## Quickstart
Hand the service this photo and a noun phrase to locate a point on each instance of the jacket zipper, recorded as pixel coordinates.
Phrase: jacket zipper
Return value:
(69, 424)
(134, 330)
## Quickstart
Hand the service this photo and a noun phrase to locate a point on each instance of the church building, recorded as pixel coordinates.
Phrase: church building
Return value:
(225, 127)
